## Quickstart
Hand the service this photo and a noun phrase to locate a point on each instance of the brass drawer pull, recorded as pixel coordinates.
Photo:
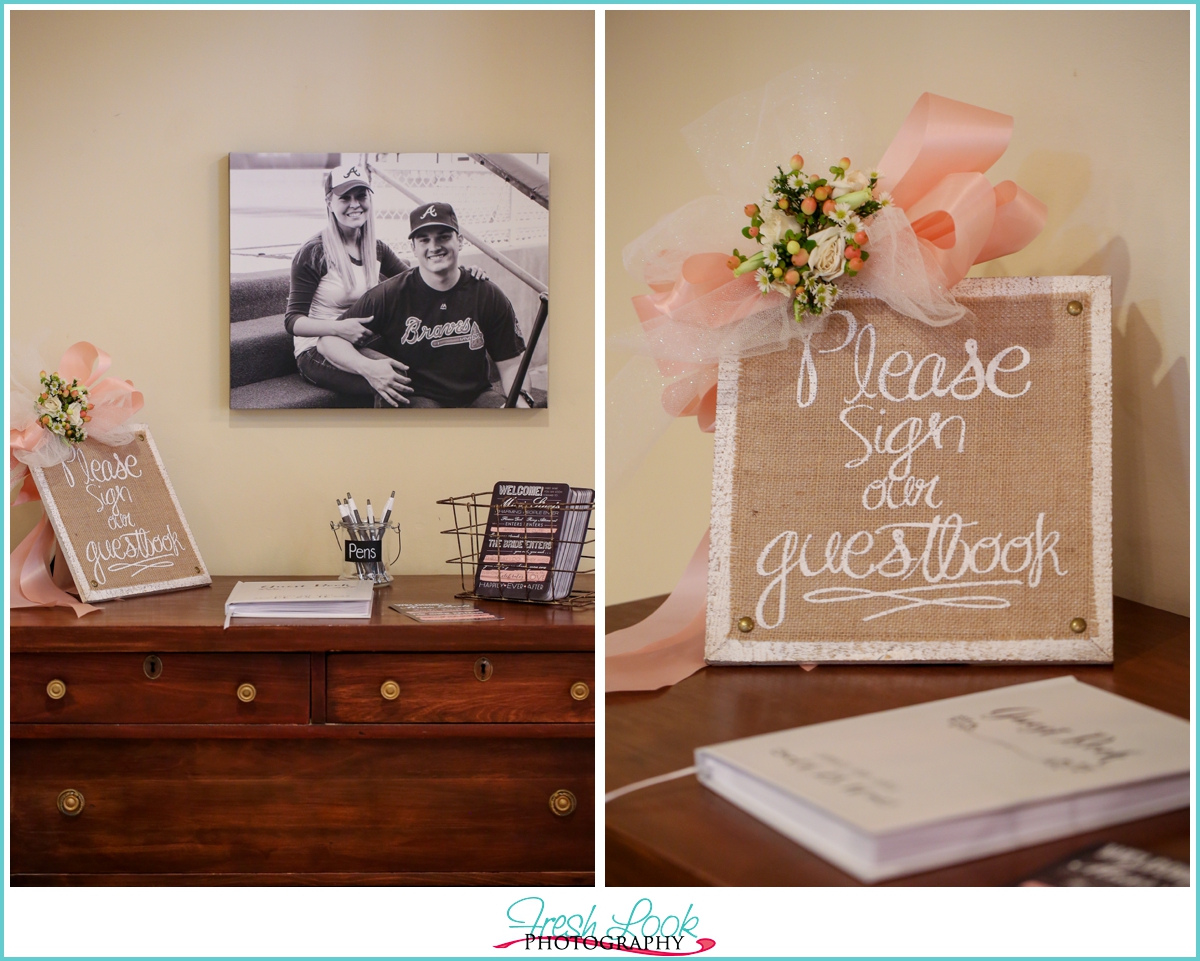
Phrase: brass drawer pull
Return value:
(580, 691)
(70, 802)
(483, 669)
(390, 690)
(562, 803)
(56, 689)
(247, 692)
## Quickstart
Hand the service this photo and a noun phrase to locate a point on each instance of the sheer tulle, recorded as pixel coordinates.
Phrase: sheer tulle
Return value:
(904, 276)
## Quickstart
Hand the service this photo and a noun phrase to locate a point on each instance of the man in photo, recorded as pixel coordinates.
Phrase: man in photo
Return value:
(434, 327)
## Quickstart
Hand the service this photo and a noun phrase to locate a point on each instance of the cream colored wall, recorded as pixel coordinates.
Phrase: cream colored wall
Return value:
(1101, 107)
(121, 123)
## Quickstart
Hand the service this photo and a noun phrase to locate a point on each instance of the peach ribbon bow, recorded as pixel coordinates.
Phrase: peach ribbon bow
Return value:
(113, 401)
(934, 169)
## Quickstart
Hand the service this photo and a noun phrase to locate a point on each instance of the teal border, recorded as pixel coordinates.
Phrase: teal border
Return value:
(614, 5)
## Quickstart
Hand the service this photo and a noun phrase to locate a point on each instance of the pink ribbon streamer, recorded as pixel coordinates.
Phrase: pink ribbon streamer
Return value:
(934, 168)
(113, 402)
(29, 579)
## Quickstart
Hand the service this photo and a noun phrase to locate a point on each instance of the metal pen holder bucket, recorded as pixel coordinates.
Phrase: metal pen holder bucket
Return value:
(360, 537)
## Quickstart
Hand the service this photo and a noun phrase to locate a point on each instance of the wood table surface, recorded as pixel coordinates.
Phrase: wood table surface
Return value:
(680, 833)
(138, 623)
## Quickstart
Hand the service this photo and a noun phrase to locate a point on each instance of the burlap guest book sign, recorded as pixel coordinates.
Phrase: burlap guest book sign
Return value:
(891, 491)
(117, 520)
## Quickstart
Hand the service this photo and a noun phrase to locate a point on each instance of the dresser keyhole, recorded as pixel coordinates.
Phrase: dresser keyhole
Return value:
(483, 669)
(152, 666)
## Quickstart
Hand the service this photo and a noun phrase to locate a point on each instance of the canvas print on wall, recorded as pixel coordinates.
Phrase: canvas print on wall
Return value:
(388, 280)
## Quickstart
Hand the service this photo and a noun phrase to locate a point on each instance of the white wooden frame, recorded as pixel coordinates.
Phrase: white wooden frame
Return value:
(724, 648)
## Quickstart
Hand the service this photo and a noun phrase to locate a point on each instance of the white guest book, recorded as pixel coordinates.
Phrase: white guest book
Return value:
(300, 599)
(919, 787)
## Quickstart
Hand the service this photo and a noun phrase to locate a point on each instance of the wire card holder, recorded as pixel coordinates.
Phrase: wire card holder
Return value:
(534, 551)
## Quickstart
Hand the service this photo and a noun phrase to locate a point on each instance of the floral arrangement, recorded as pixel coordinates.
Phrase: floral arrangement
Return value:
(62, 408)
(812, 231)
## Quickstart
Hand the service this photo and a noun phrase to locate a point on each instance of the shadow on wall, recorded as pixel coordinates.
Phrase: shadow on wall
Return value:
(1151, 428)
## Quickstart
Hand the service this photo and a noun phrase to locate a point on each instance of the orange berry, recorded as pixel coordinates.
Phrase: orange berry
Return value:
(822, 193)
(733, 263)
(844, 163)
(753, 231)
(828, 207)
(797, 162)
(792, 277)
(851, 253)
(750, 210)
(860, 238)
(855, 265)
(800, 259)
(808, 205)
(783, 203)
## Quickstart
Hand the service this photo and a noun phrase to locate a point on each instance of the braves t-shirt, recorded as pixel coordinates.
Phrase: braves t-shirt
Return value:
(444, 336)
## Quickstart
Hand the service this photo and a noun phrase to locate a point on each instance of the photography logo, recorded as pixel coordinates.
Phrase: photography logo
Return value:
(639, 931)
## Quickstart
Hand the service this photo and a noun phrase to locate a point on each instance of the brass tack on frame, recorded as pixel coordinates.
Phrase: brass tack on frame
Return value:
(1078, 625)
(745, 624)
(1074, 308)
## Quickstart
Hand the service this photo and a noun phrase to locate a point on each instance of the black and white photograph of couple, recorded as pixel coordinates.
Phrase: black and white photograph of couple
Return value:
(388, 280)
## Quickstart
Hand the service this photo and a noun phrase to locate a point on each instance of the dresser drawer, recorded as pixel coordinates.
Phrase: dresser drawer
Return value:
(176, 689)
(459, 688)
(208, 806)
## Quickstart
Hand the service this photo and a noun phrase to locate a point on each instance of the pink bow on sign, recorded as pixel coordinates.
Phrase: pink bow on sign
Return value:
(113, 403)
(934, 169)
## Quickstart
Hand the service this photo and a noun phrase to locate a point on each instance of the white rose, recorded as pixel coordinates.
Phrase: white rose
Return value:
(828, 259)
(852, 182)
(775, 223)
(52, 405)
(75, 414)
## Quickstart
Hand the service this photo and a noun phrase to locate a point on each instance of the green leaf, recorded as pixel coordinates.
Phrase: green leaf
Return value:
(810, 245)
(865, 256)
(746, 232)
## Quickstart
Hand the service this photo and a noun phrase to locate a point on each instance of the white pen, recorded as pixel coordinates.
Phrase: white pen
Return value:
(387, 508)
(370, 513)
(353, 508)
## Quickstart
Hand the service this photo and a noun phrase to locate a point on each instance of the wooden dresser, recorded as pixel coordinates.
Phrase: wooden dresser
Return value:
(152, 746)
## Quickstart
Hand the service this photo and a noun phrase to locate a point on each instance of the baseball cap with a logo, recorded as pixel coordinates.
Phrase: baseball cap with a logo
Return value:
(340, 180)
(431, 215)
